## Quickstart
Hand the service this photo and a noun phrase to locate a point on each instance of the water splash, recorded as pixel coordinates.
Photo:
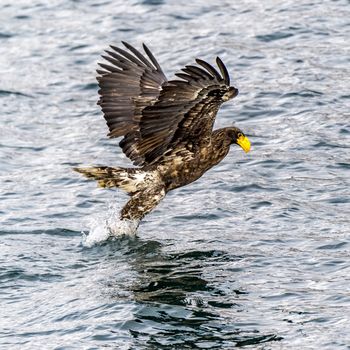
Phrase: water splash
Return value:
(108, 226)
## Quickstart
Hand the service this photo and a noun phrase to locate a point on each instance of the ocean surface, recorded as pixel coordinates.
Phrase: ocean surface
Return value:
(254, 255)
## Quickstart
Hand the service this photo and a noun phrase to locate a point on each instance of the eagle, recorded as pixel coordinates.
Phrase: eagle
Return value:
(166, 125)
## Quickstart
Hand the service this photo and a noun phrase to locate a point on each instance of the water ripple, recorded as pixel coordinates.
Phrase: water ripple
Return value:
(255, 254)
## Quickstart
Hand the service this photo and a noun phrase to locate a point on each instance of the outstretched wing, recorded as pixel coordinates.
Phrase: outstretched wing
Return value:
(185, 110)
(128, 83)
(155, 115)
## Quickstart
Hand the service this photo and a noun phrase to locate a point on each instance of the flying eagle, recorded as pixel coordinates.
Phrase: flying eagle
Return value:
(167, 125)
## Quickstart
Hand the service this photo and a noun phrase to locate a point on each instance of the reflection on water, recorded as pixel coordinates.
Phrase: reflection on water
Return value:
(177, 306)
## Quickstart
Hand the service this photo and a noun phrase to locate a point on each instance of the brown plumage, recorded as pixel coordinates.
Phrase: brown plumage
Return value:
(167, 126)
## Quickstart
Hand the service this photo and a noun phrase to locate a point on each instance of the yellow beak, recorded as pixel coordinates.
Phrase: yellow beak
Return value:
(244, 142)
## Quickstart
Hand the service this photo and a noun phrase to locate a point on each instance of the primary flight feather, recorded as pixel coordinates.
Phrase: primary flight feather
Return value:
(167, 125)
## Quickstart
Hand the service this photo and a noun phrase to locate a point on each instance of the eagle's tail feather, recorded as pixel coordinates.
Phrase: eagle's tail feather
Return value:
(145, 188)
(108, 177)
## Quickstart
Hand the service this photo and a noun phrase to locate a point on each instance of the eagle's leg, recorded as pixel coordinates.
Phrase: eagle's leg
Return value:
(141, 203)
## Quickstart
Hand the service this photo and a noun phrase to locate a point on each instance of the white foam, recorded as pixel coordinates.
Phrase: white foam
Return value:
(105, 226)
(97, 232)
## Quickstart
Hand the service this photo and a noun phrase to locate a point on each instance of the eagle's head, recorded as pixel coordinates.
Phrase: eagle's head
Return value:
(237, 136)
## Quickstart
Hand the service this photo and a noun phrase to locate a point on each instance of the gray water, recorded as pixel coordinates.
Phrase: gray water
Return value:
(255, 254)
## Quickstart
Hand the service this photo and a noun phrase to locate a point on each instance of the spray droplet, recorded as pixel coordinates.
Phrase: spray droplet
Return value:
(106, 226)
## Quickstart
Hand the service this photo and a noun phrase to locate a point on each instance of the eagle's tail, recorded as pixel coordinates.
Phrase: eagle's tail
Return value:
(129, 180)
(145, 188)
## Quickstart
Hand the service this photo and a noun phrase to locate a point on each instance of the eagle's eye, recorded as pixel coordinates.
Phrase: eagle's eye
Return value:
(239, 135)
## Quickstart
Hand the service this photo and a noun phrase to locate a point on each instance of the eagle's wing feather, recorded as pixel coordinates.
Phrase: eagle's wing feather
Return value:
(185, 109)
(128, 83)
